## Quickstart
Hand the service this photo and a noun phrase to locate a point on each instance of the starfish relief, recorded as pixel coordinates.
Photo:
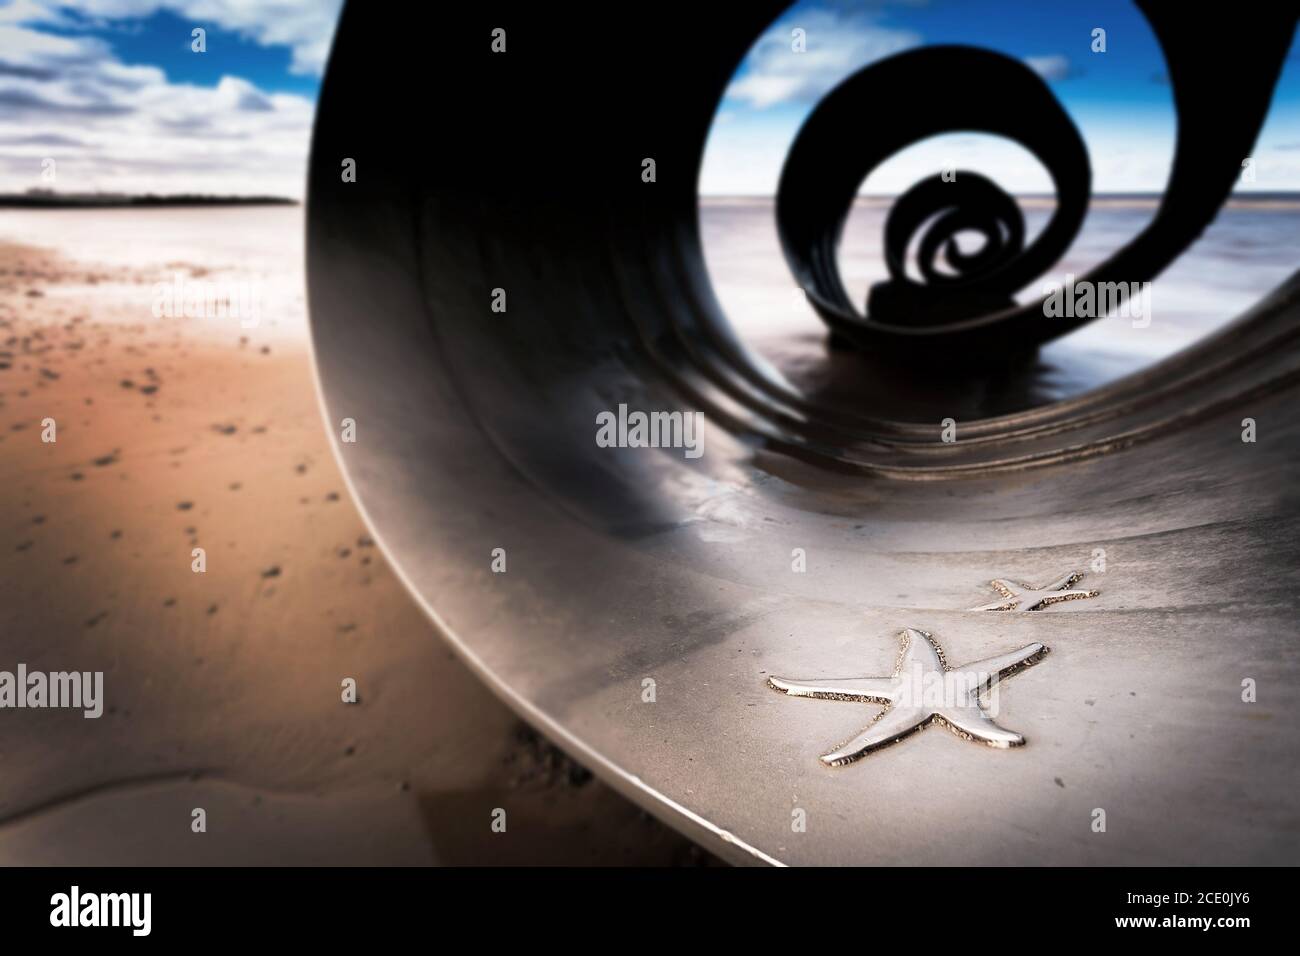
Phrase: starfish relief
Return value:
(1022, 597)
(923, 690)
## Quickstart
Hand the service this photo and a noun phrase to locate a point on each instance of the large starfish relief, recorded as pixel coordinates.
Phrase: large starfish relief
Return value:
(1022, 597)
(923, 690)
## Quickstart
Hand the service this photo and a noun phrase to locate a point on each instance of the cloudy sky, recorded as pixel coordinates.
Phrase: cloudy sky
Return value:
(112, 92)
(1120, 99)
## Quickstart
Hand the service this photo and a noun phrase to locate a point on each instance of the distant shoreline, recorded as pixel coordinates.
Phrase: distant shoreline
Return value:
(1259, 199)
(1284, 200)
(42, 200)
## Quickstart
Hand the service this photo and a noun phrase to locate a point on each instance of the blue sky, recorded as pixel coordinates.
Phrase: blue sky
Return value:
(1120, 99)
(163, 39)
(111, 92)
(110, 95)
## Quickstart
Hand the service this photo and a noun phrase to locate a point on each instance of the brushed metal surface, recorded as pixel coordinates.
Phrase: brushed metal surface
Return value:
(475, 431)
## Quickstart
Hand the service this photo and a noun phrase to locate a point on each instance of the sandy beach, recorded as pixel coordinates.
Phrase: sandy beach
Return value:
(222, 688)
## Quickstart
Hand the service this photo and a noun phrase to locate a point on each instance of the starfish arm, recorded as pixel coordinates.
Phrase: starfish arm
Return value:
(1004, 664)
(919, 649)
(1005, 588)
(880, 690)
(1060, 596)
(891, 726)
(974, 723)
(1006, 604)
(1010, 597)
(1063, 582)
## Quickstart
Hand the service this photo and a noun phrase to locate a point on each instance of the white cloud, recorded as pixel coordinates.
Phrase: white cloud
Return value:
(1054, 67)
(837, 44)
(305, 26)
(114, 127)
(30, 11)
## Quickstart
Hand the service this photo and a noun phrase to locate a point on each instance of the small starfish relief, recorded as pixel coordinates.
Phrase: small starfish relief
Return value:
(1022, 597)
(923, 690)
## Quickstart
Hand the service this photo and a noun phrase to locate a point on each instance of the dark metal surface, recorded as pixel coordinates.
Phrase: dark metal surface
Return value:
(475, 432)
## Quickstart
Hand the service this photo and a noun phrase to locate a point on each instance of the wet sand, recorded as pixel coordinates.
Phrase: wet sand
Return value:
(223, 689)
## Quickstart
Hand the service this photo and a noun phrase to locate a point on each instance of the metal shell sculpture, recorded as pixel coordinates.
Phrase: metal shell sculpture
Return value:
(521, 171)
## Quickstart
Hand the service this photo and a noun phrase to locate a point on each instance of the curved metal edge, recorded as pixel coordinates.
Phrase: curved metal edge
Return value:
(681, 818)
